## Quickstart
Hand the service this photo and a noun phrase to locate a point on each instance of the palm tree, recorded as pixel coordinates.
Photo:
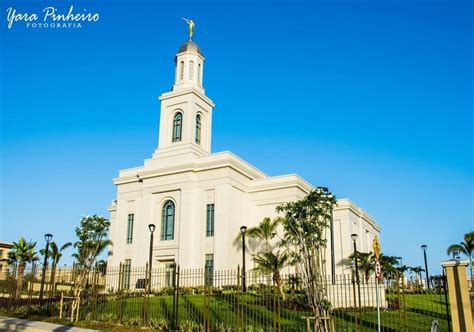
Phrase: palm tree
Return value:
(466, 247)
(389, 265)
(272, 262)
(22, 253)
(55, 254)
(264, 232)
(417, 271)
(365, 263)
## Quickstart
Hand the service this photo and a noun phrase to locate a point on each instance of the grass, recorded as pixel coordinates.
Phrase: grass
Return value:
(417, 313)
(230, 310)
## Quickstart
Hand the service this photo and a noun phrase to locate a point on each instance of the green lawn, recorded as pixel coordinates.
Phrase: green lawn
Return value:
(230, 311)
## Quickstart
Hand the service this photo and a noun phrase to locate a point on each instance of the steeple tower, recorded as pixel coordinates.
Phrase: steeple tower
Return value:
(186, 112)
(189, 63)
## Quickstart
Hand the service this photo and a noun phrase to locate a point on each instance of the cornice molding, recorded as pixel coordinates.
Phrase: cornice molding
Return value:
(173, 94)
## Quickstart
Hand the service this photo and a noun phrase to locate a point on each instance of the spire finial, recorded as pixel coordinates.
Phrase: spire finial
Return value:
(191, 27)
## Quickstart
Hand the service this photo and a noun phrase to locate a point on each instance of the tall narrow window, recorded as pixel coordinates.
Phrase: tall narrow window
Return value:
(198, 129)
(209, 270)
(127, 267)
(199, 73)
(169, 273)
(210, 220)
(177, 127)
(181, 70)
(191, 70)
(130, 228)
(167, 221)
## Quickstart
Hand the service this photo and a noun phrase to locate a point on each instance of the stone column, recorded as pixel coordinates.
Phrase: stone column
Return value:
(459, 301)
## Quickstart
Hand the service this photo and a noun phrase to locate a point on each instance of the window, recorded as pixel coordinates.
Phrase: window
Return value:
(126, 273)
(210, 220)
(177, 127)
(170, 272)
(167, 221)
(181, 70)
(209, 270)
(199, 73)
(198, 129)
(130, 228)
(191, 70)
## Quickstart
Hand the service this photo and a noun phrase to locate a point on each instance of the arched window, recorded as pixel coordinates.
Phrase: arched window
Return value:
(167, 221)
(181, 70)
(198, 129)
(191, 70)
(177, 127)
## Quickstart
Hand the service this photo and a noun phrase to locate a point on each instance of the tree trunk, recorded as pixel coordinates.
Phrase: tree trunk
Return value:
(52, 281)
(19, 281)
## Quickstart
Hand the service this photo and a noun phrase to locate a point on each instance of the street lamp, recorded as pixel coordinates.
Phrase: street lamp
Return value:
(331, 234)
(243, 230)
(354, 239)
(424, 247)
(47, 238)
(151, 227)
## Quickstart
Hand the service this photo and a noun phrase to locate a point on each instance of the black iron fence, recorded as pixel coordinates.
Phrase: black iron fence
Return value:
(173, 298)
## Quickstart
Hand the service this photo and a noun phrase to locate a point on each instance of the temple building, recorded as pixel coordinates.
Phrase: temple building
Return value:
(199, 199)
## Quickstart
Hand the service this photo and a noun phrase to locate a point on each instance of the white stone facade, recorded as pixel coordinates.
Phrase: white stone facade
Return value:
(183, 171)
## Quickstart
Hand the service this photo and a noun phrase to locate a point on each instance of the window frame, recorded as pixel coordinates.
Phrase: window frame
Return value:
(130, 223)
(198, 129)
(167, 224)
(210, 219)
(209, 270)
(177, 134)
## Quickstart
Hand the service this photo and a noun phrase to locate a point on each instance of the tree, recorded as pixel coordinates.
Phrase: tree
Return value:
(417, 271)
(305, 225)
(272, 262)
(365, 263)
(22, 253)
(466, 248)
(389, 266)
(92, 235)
(55, 254)
(267, 260)
(265, 232)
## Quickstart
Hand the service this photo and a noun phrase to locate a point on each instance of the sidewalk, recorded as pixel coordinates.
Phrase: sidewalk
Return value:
(15, 324)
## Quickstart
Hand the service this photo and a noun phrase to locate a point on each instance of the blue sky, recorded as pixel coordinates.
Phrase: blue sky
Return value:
(370, 98)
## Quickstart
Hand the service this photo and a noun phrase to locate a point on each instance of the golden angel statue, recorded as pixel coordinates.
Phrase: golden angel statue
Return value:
(191, 27)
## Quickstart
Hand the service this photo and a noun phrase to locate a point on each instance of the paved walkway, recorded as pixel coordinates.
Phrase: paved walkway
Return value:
(15, 324)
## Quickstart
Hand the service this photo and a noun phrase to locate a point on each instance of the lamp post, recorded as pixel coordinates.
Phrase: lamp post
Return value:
(424, 247)
(331, 235)
(243, 230)
(151, 227)
(48, 238)
(354, 239)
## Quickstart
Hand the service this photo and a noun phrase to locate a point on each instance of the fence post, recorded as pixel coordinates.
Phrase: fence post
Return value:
(458, 295)
(174, 312)
(146, 296)
(177, 296)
